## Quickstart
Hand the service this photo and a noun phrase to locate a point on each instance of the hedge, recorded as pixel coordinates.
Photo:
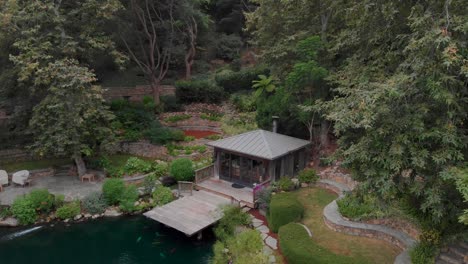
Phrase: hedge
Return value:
(198, 91)
(298, 248)
(232, 81)
(284, 209)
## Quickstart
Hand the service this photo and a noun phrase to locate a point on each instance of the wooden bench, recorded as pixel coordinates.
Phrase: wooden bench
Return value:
(88, 176)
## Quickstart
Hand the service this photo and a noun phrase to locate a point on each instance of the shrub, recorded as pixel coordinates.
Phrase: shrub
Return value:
(162, 195)
(211, 116)
(244, 248)
(233, 216)
(112, 190)
(128, 199)
(170, 103)
(41, 200)
(243, 102)
(23, 210)
(163, 135)
(198, 91)
(59, 200)
(228, 46)
(298, 248)
(264, 198)
(95, 203)
(285, 184)
(68, 210)
(358, 207)
(136, 165)
(118, 104)
(177, 118)
(148, 103)
(232, 81)
(5, 212)
(423, 253)
(214, 137)
(284, 209)
(189, 138)
(308, 176)
(182, 169)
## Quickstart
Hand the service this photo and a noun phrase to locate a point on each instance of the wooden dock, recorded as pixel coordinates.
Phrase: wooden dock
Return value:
(190, 214)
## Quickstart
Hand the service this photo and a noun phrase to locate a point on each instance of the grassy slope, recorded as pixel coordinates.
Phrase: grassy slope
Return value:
(360, 249)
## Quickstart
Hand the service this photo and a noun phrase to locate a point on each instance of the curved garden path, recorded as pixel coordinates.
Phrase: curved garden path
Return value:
(337, 222)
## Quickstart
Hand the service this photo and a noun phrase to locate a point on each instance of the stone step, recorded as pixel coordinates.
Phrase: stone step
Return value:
(451, 258)
(457, 250)
(463, 245)
(441, 261)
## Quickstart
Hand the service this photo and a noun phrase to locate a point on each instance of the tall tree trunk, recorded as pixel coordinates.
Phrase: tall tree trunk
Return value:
(188, 69)
(324, 138)
(156, 87)
(80, 165)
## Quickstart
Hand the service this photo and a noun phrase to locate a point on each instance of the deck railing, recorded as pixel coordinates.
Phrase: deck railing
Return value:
(259, 187)
(185, 187)
(204, 173)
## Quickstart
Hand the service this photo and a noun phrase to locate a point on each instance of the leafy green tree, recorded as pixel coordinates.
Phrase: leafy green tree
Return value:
(263, 85)
(401, 106)
(72, 119)
(54, 42)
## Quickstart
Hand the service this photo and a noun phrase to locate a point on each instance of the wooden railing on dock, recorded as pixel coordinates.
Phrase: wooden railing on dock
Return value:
(259, 187)
(204, 173)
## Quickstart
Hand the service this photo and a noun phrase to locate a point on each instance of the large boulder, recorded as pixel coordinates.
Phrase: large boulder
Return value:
(112, 212)
(9, 222)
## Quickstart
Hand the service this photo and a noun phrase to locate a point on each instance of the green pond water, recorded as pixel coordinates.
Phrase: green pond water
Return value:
(126, 240)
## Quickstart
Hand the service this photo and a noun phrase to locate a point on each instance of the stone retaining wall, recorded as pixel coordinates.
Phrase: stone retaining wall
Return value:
(141, 149)
(7, 155)
(398, 224)
(135, 94)
(365, 233)
(193, 123)
(334, 220)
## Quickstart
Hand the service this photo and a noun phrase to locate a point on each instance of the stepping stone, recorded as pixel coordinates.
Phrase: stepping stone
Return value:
(264, 236)
(272, 259)
(257, 224)
(271, 242)
(267, 251)
(245, 209)
(263, 229)
(255, 220)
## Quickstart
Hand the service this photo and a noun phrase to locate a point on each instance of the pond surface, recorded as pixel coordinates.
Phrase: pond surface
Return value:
(126, 240)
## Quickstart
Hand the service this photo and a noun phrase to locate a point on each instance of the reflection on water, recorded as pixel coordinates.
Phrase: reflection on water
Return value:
(129, 240)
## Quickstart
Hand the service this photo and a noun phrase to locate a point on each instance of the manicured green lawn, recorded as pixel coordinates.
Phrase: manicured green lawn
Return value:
(346, 248)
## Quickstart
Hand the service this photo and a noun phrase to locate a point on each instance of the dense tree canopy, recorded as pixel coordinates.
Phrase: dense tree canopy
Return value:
(51, 40)
(396, 92)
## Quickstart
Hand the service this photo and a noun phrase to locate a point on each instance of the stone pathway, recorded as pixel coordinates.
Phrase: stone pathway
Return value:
(270, 243)
(332, 215)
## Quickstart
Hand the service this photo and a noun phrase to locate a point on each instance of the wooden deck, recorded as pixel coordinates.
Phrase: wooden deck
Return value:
(224, 188)
(190, 214)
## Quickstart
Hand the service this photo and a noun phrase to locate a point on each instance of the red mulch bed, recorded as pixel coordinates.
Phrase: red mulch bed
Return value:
(199, 134)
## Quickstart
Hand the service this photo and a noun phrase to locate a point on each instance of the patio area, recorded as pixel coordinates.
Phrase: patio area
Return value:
(70, 186)
(225, 188)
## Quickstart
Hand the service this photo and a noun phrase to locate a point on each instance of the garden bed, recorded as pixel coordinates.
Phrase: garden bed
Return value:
(199, 133)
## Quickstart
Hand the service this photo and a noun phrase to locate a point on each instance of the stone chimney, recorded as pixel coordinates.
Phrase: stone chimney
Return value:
(275, 124)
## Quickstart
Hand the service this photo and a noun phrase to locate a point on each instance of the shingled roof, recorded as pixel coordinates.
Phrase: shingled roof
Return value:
(261, 143)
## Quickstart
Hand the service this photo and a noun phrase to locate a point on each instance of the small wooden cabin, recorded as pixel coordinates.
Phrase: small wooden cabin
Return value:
(258, 156)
